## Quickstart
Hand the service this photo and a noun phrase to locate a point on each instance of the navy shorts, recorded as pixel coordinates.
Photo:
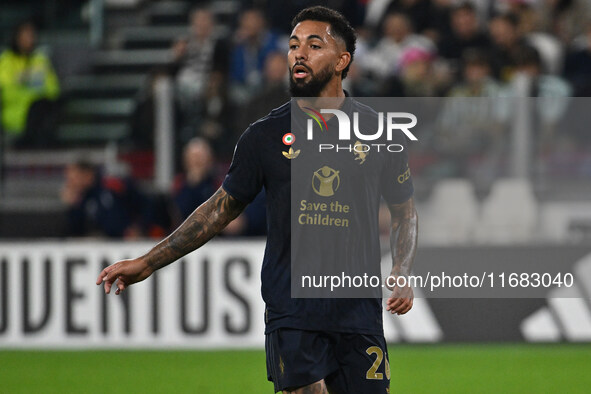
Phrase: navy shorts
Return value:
(349, 363)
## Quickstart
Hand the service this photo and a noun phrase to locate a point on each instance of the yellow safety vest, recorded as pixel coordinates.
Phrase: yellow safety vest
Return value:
(24, 80)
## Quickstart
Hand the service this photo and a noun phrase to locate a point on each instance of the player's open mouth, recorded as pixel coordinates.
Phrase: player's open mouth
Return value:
(300, 72)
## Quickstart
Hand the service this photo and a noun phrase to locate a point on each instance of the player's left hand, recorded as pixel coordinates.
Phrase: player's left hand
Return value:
(401, 299)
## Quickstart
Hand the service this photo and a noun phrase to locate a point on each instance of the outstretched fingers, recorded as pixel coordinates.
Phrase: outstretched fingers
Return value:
(108, 276)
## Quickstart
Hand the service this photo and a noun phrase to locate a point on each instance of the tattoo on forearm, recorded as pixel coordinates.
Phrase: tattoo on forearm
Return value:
(403, 236)
(203, 224)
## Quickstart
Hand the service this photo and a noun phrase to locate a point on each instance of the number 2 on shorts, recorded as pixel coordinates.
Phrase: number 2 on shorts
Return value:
(371, 372)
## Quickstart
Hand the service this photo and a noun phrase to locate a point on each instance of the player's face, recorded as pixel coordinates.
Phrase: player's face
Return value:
(314, 57)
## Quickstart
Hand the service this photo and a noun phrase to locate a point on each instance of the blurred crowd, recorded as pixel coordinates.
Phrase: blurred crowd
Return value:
(102, 205)
(406, 48)
(227, 78)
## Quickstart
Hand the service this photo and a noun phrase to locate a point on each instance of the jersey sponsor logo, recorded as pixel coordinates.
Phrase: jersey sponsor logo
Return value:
(404, 176)
(326, 181)
(334, 214)
(291, 154)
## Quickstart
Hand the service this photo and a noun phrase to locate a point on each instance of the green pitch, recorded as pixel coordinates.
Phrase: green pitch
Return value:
(415, 369)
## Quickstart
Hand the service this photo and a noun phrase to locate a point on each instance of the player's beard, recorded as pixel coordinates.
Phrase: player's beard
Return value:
(315, 84)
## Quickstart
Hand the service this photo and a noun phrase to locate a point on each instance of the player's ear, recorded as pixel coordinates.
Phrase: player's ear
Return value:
(343, 62)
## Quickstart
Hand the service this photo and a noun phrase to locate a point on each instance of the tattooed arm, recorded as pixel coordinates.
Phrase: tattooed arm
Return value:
(202, 225)
(403, 244)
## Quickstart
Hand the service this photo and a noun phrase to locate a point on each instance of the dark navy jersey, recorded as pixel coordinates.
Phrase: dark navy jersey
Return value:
(260, 160)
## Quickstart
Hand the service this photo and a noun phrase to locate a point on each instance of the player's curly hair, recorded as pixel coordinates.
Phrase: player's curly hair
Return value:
(339, 26)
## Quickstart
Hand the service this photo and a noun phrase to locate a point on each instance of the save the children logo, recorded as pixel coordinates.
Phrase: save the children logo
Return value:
(326, 181)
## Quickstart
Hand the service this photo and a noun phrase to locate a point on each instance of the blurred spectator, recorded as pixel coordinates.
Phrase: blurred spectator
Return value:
(565, 19)
(578, 64)
(100, 206)
(418, 12)
(465, 33)
(470, 126)
(549, 47)
(197, 57)
(477, 80)
(417, 77)
(217, 118)
(358, 83)
(512, 6)
(439, 26)
(30, 89)
(273, 94)
(552, 93)
(507, 42)
(253, 43)
(529, 62)
(197, 183)
(383, 59)
(280, 13)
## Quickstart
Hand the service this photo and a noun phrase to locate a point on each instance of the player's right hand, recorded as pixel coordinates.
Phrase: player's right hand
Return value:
(124, 273)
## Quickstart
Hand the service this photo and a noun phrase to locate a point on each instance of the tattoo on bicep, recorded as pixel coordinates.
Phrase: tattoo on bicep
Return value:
(226, 206)
(203, 224)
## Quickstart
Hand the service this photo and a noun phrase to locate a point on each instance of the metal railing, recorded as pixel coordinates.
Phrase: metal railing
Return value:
(96, 22)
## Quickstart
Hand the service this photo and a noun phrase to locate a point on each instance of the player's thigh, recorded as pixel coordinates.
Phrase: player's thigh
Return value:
(363, 365)
(298, 358)
(314, 388)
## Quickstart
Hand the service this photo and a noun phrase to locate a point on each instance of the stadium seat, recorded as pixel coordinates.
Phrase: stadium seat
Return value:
(451, 213)
(565, 221)
(509, 214)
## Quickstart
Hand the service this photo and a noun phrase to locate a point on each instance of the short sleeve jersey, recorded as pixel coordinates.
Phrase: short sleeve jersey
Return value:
(259, 162)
